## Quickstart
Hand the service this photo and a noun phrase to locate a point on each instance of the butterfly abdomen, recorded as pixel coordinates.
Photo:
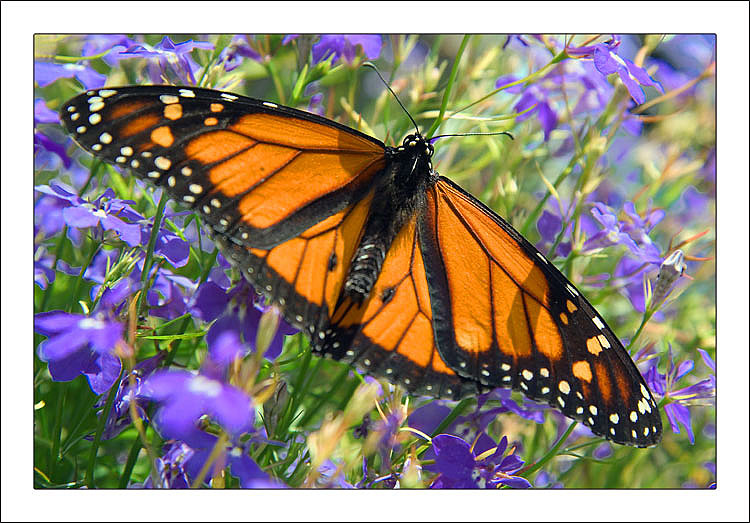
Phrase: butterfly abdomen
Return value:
(408, 174)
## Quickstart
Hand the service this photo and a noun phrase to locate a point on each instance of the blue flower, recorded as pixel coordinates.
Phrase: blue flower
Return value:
(169, 59)
(608, 62)
(535, 101)
(459, 467)
(345, 46)
(239, 311)
(105, 211)
(45, 73)
(238, 49)
(631, 233)
(170, 467)
(119, 417)
(185, 397)
(98, 43)
(700, 393)
(78, 344)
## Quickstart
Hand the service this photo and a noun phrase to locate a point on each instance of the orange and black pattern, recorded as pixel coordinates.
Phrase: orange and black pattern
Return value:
(382, 262)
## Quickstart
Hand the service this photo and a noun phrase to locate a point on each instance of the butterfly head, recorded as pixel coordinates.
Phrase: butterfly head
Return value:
(415, 157)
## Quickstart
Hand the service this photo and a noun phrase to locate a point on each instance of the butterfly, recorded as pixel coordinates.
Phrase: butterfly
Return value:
(381, 261)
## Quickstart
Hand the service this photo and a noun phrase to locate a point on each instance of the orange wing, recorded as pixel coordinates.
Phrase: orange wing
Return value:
(506, 317)
(258, 172)
(305, 275)
(390, 334)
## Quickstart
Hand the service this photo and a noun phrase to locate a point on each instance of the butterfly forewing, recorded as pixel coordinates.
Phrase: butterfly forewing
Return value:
(258, 172)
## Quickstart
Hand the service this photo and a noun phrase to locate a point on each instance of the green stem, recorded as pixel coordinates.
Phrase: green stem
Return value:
(447, 92)
(276, 82)
(99, 430)
(94, 249)
(149, 260)
(646, 316)
(551, 454)
(137, 443)
(57, 431)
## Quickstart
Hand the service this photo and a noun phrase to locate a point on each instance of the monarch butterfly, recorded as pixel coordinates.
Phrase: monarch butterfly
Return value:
(380, 260)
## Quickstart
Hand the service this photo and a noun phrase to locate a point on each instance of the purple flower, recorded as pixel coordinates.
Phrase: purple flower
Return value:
(171, 467)
(239, 311)
(166, 298)
(694, 206)
(338, 46)
(612, 232)
(549, 226)
(46, 73)
(631, 233)
(105, 211)
(78, 344)
(43, 114)
(535, 101)
(608, 62)
(48, 151)
(237, 50)
(630, 273)
(118, 419)
(459, 467)
(185, 397)
(43, 146)
(241, 465)
(528, 409)
(115, 44)
(700, 393)
(385, 434)
(638, 228)
(181, 464)
(43, 273)
(168, 244)
(332, 475)
(545, 480)
(169, 59)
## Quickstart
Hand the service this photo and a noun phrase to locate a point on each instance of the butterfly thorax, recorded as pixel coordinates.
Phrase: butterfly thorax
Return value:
(406, 177)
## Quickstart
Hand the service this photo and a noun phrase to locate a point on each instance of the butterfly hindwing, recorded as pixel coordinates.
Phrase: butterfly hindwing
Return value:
(304, 275)
(390, 334)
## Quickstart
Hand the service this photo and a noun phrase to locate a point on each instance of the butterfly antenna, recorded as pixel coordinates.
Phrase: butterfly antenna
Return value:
(372, 66)
(506, 133)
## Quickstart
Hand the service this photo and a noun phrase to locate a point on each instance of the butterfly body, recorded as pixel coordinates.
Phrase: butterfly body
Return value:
(382, 262)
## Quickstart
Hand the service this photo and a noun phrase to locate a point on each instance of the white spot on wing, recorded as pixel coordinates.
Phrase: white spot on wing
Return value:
(168, 99)
(163, 163)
